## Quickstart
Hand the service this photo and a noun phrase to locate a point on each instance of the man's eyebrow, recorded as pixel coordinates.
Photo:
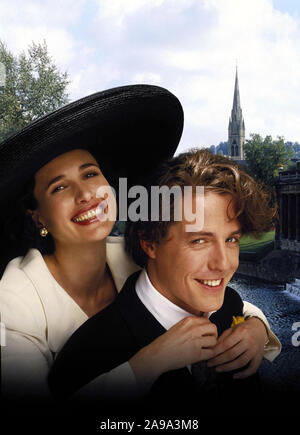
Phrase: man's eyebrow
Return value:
(239, 231)
(60, 177)
(209, 234)
(200, 233)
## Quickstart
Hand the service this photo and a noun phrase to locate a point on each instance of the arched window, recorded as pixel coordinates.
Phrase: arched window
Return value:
(233, 148)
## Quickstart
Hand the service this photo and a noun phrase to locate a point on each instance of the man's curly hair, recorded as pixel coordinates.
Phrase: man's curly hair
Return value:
(252, 202)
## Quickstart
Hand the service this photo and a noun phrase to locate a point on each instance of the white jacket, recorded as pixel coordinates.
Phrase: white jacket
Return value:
(38, 316)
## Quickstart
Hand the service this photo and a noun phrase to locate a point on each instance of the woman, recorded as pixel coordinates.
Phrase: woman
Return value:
(48, 293)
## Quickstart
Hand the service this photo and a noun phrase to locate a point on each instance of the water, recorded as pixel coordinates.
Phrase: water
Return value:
(282, 309)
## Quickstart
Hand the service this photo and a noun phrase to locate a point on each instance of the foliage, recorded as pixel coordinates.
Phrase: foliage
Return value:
(265, 157)
(33, 87)
(223, 146)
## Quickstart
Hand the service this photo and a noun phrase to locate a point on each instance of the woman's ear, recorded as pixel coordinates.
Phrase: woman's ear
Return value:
(149, 248)
(35, 217)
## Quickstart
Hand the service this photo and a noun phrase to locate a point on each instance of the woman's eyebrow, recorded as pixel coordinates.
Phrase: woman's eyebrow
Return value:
(54, 180)
(60, 177)
(87, 165)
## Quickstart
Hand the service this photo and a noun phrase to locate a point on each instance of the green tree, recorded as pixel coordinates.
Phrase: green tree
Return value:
(33, 87)
(264, 157)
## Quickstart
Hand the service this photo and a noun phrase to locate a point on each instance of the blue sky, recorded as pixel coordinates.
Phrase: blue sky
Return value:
(291, 7)
(188, 46)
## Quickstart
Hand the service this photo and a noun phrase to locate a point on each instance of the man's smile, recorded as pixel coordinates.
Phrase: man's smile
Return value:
(211, 282)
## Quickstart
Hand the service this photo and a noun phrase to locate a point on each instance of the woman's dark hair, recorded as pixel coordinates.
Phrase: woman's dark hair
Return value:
(19, 228)
(18, 232)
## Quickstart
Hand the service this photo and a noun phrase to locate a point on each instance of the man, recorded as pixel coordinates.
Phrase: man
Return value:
(182, 289)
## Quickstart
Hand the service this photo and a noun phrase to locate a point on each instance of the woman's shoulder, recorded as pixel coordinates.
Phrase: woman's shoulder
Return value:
(33, 304)
(120, 263)
(21, 307)
(14, 276)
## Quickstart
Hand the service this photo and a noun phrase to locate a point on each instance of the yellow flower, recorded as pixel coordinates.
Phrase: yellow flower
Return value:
(236, 320)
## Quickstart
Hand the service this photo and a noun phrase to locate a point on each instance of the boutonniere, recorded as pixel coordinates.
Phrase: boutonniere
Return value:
(236, 320)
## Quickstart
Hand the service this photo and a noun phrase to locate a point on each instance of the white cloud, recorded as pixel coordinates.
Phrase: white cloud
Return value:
(23, 22)
(188, 46)
(147, 77)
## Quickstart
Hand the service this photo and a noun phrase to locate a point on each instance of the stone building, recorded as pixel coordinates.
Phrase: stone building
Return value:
(288, 196)
(282, 264)
(236, 127)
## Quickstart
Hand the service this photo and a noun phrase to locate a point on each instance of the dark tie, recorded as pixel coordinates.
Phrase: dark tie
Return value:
(204, 377)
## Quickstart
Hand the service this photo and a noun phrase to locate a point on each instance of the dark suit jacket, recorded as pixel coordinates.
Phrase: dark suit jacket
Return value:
(115, 334)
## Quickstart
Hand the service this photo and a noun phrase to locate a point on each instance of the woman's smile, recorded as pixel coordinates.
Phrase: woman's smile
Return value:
(91, 214)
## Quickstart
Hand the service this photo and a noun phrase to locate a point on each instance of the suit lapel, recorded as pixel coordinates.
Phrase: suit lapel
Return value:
(145, 328)
(141, 323)
(232, 306)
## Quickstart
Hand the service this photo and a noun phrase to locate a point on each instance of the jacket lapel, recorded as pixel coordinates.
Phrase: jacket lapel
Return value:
(119, 262)
(145, 329)
(232, 306)
(142, 325)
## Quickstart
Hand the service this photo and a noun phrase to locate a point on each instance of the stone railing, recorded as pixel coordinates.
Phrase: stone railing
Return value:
(289, 175)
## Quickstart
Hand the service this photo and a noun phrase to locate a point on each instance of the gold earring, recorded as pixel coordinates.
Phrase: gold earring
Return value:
(43, 232)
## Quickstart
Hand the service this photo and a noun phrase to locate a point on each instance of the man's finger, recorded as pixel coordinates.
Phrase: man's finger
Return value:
(206, 331)
(250, 370)
(226, 341)
(238, 363)
(228, 356)
(208, 341)
(206, 354)
(225, 334)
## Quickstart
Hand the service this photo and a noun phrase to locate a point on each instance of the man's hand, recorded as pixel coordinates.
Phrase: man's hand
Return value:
(187, 342)
(238, 346)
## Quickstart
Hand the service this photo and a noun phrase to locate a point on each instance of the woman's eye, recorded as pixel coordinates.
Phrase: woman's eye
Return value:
(91, 174)
(58, 188)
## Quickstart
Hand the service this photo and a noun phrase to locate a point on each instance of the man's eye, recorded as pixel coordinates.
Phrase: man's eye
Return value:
(198, 241)
(233, 240)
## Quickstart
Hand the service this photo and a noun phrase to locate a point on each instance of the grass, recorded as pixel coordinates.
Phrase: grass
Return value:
(253, 249)
(249, 243)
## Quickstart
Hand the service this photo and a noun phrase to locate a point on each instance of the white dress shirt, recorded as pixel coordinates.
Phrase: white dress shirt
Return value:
(164, 311)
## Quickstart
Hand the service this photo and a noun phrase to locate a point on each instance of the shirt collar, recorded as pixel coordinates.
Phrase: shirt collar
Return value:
(164, 311)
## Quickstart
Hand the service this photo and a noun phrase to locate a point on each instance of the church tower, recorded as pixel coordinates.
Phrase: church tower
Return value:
(236, 128)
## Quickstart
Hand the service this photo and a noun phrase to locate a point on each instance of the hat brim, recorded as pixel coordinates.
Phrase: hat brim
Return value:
(128, 129)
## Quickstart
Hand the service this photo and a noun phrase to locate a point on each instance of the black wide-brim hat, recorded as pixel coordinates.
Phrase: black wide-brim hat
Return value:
(128, 129)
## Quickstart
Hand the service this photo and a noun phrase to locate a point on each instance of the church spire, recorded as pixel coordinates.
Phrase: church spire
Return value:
(236, 97)
(236, 128)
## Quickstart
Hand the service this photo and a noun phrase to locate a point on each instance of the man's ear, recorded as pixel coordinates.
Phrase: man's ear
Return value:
(149, 248)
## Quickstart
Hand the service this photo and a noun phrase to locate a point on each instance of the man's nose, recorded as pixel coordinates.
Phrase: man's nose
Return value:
(219, 259)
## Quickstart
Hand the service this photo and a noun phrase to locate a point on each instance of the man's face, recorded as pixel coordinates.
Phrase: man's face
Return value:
(192, 269)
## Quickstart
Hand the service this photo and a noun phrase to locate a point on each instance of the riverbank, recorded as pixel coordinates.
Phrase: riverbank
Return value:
(277, 266)
(281, 378)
